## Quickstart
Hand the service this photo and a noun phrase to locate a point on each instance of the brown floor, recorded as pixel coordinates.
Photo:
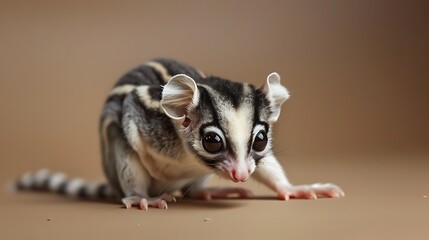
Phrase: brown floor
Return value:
(384, 200)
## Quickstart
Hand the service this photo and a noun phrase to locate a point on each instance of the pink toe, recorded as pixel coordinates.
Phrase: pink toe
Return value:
(144, 204)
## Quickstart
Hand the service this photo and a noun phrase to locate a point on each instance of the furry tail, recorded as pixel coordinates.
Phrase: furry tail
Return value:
(43, 180)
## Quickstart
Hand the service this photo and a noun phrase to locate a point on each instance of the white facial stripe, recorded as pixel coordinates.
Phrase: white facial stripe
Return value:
(239, 128)
(240, 124)
(160, 69)
(145, 98)
(121, 90)
(239, 121)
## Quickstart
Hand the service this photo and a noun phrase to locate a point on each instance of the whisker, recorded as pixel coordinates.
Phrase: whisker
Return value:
(193, 184)
(187, 190)
(161, 190)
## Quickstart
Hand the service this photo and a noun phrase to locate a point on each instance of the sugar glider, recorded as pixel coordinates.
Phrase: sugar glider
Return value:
(166, 127)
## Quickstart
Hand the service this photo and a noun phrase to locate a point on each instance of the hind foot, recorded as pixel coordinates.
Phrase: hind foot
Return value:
(145, 203)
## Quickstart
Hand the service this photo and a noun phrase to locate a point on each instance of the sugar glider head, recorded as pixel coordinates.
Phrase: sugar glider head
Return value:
(226, 124)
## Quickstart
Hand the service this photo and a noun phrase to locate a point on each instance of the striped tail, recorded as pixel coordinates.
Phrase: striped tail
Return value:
(43, 180)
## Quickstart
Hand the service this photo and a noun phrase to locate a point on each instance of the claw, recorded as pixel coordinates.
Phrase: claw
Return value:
(130, 201)
(312, 195)
(168, 197)
(145, 203)
(327, 190)
(311, 191)
(284, 196)
(162, 204)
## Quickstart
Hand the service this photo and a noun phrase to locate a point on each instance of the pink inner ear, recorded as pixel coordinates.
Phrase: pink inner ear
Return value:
(186, 122)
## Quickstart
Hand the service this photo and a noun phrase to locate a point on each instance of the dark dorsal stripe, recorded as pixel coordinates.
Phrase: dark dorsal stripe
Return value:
(230, 91)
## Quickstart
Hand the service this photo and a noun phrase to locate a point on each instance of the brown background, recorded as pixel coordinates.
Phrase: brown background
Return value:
(358, 116)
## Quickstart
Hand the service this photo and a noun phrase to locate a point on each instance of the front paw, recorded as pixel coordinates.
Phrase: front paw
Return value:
(312, 191)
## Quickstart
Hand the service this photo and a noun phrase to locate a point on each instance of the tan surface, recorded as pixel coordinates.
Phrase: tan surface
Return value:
(385, 200)
(358, 115)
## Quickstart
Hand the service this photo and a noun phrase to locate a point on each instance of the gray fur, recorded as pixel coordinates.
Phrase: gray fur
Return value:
(157, 131)
(163, 138)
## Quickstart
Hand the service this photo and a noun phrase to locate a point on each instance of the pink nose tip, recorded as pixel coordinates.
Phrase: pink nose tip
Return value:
(236, 177)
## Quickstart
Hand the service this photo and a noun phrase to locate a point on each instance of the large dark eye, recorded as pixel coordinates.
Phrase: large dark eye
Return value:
(212, 142)
(260, 141)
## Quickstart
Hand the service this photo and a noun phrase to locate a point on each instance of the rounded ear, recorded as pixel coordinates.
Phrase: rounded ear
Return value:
(178, 94)
(277, 94)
